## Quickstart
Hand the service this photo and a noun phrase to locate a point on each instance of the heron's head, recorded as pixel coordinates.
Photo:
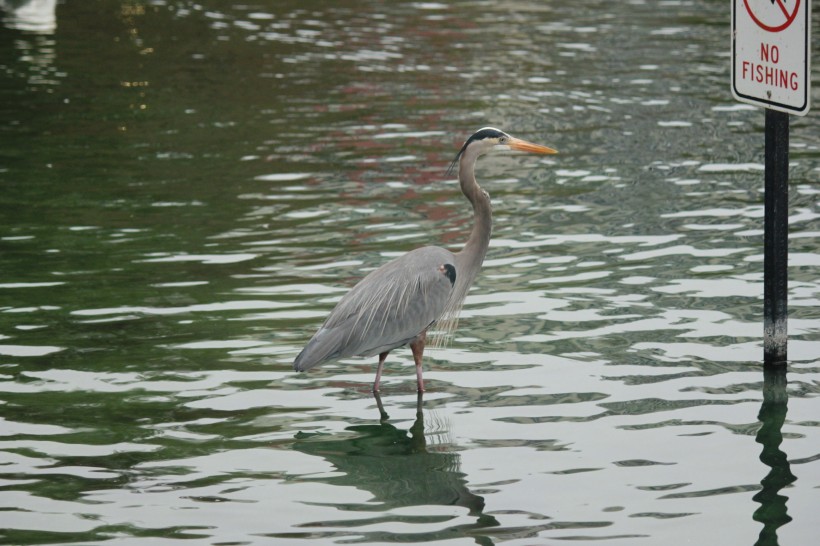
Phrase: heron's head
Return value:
(489, 138)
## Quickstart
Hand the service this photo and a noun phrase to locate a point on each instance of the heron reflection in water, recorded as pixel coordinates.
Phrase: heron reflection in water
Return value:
(400, 468)
(396, 304)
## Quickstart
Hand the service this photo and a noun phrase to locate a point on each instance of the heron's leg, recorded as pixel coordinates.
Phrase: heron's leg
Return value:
(382, 358)
(417, 347)
(383, 417)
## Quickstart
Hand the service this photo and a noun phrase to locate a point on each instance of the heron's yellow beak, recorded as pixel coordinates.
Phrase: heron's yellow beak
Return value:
(524, 146)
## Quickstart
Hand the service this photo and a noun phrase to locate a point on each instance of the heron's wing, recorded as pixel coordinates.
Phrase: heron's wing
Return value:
(387, 309)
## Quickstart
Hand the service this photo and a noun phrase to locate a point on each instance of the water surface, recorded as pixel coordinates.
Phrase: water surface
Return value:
(188, 188)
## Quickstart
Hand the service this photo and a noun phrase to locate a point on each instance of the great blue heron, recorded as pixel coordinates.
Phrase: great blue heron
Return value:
(397, 303)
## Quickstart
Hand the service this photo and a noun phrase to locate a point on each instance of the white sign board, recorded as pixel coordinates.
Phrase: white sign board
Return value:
(771, 44)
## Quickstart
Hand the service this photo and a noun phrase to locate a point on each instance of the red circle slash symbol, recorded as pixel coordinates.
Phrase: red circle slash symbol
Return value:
(776, 28)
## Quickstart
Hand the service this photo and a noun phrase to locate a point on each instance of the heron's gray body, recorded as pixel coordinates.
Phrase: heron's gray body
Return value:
(387, 309)
(397, 303)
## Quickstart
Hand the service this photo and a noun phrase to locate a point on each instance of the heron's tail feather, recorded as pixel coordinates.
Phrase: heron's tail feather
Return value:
(323, 347)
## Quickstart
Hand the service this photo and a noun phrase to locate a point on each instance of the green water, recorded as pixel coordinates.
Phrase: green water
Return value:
(187, 189)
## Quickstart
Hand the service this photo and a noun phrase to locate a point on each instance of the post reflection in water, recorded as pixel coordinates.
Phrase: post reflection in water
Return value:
(400, 468)
(773, 512)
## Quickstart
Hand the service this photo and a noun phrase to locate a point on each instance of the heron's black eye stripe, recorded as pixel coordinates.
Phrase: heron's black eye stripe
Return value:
(481, 134)
(486, 133)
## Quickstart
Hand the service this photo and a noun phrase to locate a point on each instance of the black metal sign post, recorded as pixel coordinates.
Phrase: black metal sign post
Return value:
(776, 240)
(771, 67)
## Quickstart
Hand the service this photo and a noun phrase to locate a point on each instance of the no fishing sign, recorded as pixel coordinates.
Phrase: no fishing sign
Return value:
(771, 53)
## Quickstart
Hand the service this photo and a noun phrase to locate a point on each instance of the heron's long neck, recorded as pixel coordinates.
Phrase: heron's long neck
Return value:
(472, 255)
(468, 259)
